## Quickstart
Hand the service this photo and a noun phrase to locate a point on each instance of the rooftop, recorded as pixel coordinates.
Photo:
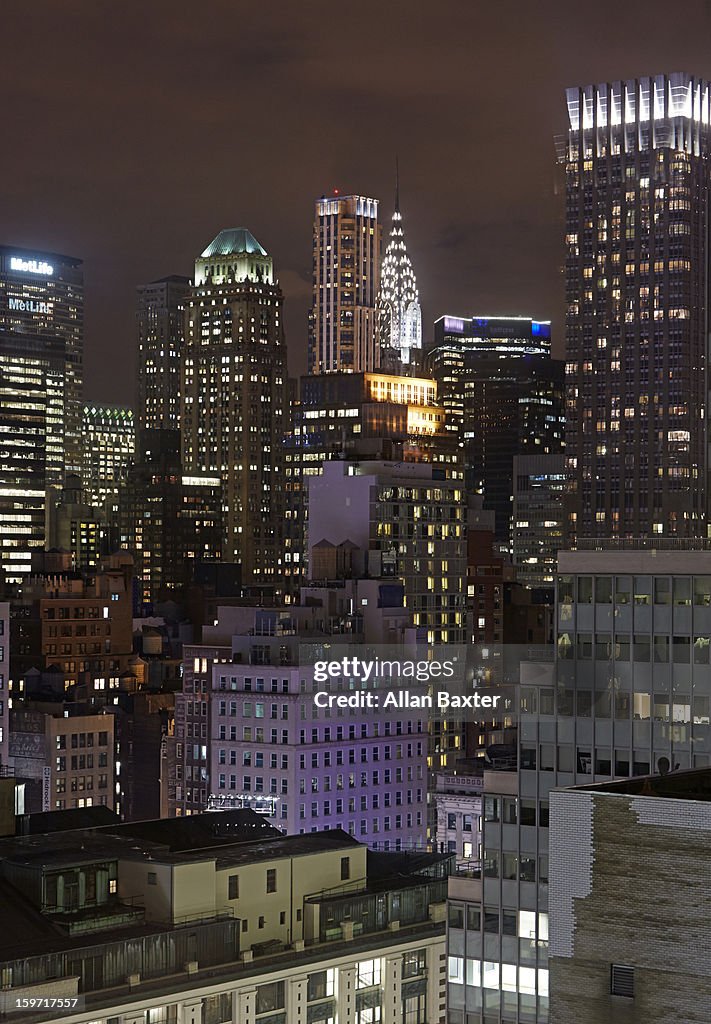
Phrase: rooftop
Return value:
(232, 242)
(691, 784)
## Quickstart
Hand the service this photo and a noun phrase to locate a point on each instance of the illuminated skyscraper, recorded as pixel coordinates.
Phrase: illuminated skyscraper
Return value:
(42, 300)
(399, 317)
(347, 237)
(637, 273)
(234, 396)
(159, 325)
(109, 443)
(32, 402)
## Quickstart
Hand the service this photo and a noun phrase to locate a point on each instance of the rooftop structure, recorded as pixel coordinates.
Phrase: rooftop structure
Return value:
(205, 918)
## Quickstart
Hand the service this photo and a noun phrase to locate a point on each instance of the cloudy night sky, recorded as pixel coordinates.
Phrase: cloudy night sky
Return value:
(133, 132)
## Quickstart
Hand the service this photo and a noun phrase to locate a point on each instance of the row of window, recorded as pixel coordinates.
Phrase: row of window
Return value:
(640, 647)
(506, 977)
(82, 739)
(81, 762)
(640, 590)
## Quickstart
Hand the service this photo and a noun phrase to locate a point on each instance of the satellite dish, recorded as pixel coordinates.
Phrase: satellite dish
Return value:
(663, 766)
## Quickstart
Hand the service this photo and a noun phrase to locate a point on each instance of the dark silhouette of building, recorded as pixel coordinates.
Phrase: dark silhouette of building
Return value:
(503, 396)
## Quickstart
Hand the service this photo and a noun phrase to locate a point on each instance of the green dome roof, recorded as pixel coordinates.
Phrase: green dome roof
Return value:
(232, 241)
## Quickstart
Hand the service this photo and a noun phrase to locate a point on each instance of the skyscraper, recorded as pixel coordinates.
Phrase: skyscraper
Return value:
(503, 396)
(538, 524)
(42, 300)
(159, 325)
(399, 317)
(234, 396)
(637, 176)
(169, 520)
(109, 443)
(364, 416)
(347, 238)
(32, 407)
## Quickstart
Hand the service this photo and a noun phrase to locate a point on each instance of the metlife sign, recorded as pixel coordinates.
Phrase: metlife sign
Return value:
(29, 306)
(31, 266)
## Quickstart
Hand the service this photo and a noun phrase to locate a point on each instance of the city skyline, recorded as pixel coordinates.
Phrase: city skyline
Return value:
(160, 210)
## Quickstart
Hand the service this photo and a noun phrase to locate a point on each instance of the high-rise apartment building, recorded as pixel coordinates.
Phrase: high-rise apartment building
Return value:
(108, 447)
(248, 733)
(503, 396)
(637, 278)
(274, 750)
(42, 301)
(399, 317)
(234, 396)
(346, 279)
(159, 326)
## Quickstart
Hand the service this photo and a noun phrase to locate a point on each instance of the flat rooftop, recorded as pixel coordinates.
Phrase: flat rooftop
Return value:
(230, 837)
(690, 784)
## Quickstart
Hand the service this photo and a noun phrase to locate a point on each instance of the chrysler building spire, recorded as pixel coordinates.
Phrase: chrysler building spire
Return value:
(399, 318)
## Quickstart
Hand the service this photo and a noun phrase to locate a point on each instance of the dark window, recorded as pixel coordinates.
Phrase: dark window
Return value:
(270, 997)
(233, 887)
(345, 868)
(473, 918)
(491, 919)
(508, 922)
(271, 880)
(456, 916)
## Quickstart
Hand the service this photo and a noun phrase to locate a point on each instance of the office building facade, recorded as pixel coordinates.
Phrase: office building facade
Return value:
(346, 278)
(234, 397)
(502, 395)
(628, 695)
(171, 521)
(108, 448)
(538, 521)
(637, 174)
(32, 421)
(160, 329)
(42, 301)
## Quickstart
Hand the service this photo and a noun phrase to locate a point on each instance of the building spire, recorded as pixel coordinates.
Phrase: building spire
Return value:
(397, 184)
(399, 318)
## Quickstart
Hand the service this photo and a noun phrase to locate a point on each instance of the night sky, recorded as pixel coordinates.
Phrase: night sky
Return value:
(132, 132)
